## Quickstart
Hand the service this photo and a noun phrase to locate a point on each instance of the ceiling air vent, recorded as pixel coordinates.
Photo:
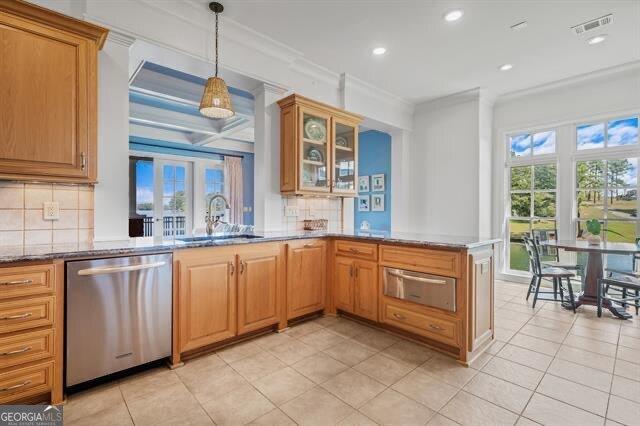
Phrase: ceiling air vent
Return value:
(593, 24)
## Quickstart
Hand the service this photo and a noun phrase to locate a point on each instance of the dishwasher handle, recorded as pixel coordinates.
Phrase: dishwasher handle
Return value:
(418, 279)
(116, 269)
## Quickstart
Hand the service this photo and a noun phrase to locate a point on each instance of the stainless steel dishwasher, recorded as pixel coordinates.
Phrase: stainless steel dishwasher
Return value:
(118, 314)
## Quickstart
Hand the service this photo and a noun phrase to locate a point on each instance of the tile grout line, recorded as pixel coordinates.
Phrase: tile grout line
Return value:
(545, 373)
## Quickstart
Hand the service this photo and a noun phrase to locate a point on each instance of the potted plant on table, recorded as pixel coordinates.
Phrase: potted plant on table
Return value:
(593, 232)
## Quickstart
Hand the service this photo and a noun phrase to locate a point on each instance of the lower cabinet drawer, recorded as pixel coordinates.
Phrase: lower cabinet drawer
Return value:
(442, 330)
(366, 251)
(25, 382)
(25, 347)
(439, 262)
(26, 313)
(26, 281)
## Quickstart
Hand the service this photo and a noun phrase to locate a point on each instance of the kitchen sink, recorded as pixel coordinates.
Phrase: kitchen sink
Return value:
(218, 237)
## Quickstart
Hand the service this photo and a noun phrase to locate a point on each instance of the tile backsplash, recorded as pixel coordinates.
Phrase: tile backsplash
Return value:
(313, 208)
(22, 217)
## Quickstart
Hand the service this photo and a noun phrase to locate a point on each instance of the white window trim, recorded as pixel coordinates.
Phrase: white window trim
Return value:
(530, 160)
(567, 154)
(197, 207)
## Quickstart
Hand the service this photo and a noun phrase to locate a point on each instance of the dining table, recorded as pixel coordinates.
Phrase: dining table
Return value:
(594, 268)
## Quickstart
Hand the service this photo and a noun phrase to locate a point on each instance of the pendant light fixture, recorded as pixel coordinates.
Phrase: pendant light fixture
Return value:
(216, 102)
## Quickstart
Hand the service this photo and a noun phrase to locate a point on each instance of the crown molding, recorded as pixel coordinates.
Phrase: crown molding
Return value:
(470, 95)
(570, 81)
(347, 81)
(120, 38)
(315, 71)
(269, 88)
(248, 37)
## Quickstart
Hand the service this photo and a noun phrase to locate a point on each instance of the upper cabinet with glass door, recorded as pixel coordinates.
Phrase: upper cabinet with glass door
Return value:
(319, 148)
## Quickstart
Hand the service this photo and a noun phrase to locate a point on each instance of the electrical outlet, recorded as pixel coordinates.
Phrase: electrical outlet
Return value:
(51, 210)
(291, 211)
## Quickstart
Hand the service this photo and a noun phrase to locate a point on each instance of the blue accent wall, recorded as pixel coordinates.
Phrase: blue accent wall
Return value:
(174, 148)
(374, 157)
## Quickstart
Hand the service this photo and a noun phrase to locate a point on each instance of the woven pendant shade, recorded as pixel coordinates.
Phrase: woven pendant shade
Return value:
(216, 102)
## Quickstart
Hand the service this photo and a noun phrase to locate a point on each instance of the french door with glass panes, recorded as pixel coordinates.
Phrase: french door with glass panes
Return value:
(172, 198)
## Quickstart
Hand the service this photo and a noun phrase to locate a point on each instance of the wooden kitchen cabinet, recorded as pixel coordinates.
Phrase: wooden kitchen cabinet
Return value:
(31, 332)
(306, 277)
(343, 283)
(356, 287)
(480, 297)
(365, 301)
(207, 296)
(48, 86)
(319, 148)
(261, 279)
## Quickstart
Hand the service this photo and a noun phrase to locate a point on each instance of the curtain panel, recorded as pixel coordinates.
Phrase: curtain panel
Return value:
(234, 188)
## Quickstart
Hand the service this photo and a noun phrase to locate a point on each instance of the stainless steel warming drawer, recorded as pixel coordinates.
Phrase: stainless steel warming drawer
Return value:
(426, 289)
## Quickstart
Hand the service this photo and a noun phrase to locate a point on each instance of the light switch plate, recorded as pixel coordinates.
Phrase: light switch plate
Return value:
(51, 210)
(291, 211)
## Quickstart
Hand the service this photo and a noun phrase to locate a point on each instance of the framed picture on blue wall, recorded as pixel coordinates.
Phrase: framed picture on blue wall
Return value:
(363, 203)
(363, 184)
(377, 203)
(377, 183)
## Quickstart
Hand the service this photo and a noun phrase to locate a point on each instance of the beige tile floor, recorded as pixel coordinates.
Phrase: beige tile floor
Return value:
(547, 366)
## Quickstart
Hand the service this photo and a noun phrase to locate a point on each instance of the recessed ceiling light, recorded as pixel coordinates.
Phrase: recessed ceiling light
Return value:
(505, 67)
(379, 51)
(454, 15)
(597, 39)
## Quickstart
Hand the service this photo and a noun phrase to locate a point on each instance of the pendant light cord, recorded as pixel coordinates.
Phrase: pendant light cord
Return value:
(216, 44)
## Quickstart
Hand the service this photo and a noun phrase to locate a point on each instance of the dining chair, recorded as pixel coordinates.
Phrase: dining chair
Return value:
(556, 274)
(624, 269)
(628, 290)
(550, 254)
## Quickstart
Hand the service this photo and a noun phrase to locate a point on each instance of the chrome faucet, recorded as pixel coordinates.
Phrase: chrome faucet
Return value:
(212, 223)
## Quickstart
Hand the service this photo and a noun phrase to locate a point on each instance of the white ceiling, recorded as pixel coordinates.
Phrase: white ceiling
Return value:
(428, 57)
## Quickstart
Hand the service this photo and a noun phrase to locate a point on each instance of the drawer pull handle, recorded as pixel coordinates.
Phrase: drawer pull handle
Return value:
(10, 317)
(354, 250)
(83, 161)
(116, 269)
(308, 245)
(18, 386)
(436, 327)
(17, 351)
(16, 282)
(400, 317)
(232, 268)
(417, 279)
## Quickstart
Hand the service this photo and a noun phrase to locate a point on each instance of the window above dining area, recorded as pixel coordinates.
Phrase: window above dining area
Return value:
(559, 177)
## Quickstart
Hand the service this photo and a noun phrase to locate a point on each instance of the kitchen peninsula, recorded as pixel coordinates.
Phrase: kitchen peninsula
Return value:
(231, 289)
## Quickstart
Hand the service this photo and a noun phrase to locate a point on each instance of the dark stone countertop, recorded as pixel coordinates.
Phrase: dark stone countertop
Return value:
(135, 246)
